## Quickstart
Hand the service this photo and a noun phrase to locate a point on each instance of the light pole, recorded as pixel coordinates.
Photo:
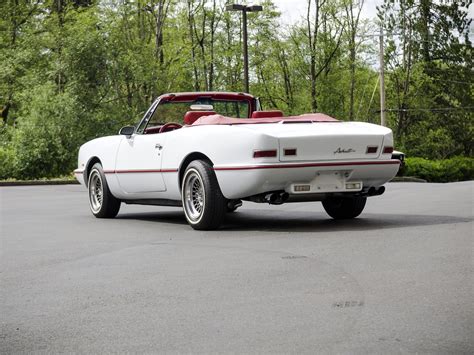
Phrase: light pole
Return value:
(245, 9)
(382, 80)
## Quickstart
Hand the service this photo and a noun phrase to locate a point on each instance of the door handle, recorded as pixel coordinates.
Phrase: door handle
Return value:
(158, 146)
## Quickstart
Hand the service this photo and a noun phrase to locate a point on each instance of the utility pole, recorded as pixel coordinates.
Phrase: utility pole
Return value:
(245, 9)
(246, 51)
(382, 80)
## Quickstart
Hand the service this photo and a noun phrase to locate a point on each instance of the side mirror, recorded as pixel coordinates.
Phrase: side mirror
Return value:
(127, 130)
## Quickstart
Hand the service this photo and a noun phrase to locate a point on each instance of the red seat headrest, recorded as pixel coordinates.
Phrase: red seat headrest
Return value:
(191, 116)
(266, 114)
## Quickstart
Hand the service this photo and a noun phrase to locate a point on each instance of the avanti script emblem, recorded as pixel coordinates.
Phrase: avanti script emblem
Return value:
(342, 150)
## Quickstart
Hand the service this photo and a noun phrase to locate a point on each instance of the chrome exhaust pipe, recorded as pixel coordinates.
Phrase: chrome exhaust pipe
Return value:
(372, 191)
(376, 192)
(284, 197)
(280, 198)
(271, 198)
(277, 198)
(380, 191)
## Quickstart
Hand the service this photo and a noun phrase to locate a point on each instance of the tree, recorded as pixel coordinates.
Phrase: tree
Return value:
(429, 43)
(15, 50)
(353, 11)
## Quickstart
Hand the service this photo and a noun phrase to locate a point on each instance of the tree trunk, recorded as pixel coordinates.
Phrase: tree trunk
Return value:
(193, 44)
(425, 21)
(312, 40)
(353, 20)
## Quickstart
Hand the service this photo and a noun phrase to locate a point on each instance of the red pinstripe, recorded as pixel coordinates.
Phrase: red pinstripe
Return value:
(307, 165)
(140, 171)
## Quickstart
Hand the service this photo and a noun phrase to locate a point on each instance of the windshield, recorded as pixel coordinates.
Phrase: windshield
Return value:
(174, 111)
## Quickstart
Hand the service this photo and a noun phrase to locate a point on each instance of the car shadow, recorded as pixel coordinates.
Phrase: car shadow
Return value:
(300, 221)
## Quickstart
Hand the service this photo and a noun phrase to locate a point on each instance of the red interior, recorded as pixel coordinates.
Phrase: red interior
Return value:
(153, 130)
(191, 96)
(222, 120)
(191, 116)
(170, 126)
(266, 114)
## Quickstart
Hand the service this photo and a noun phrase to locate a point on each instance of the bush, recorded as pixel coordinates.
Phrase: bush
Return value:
(446, 170)
(46, 139)
(7, 157)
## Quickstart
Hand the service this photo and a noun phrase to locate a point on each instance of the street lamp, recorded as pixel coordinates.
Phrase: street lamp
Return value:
(245, 9)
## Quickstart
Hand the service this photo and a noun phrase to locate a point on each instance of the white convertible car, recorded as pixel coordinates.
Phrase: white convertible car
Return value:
(209, 151)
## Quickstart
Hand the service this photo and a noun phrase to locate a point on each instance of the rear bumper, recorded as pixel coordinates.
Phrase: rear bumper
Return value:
(399, 156)
(248, 180)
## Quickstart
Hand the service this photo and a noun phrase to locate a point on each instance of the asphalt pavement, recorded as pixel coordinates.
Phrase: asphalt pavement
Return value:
(274, 279)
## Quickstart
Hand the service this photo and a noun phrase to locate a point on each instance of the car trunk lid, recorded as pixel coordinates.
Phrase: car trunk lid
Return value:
(304, 141)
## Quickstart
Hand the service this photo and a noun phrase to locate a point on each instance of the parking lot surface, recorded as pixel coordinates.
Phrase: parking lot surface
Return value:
(274, 279)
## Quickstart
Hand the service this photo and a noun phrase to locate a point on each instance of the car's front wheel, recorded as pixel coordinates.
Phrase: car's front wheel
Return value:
(344, 207)
(203, 202)
(102, 203)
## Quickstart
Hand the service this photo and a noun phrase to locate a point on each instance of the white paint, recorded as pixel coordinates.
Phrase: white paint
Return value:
(231, 147)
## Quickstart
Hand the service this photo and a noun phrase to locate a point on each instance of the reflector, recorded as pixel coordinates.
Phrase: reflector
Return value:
(265, 153)
(372, 149)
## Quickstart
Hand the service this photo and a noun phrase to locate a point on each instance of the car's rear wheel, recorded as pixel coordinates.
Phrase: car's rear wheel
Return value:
(344, 207)
(203, 202)
(102, 203)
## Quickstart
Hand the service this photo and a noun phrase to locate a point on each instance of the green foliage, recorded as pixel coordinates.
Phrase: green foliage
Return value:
(446, 170)
(430, 87)
(7, 153)
(432, 142)
(73, 70)
(45, 142)
(6, 163)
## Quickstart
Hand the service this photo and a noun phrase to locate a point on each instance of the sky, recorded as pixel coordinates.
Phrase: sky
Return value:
(294, 10)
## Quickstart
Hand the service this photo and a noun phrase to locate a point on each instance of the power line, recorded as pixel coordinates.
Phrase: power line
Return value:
(450, 81)
(369, 77)
(454, 81)
(372, 97)
(468, 108)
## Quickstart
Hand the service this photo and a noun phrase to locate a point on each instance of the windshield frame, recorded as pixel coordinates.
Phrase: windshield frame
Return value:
(251, 102)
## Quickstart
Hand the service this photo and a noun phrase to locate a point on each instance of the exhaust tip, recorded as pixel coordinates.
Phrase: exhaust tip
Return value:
(381, 190)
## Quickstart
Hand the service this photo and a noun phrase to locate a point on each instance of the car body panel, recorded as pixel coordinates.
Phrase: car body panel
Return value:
(328, 156)
(139, 157)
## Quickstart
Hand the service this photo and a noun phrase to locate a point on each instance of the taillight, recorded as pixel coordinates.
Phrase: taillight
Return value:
(265, 153)
(387, 150)
(371, 149)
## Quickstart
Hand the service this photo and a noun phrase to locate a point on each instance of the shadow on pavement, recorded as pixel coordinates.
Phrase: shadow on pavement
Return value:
(299, 221)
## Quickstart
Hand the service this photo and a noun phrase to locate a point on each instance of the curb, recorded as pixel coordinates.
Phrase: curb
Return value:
(38, 182)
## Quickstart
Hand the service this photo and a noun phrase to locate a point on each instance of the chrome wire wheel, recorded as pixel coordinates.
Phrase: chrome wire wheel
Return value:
(194, 195)
(96, 191)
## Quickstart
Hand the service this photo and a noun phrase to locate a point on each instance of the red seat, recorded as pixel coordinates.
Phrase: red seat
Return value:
(153, 130)
(191, 116)
(266, 114)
